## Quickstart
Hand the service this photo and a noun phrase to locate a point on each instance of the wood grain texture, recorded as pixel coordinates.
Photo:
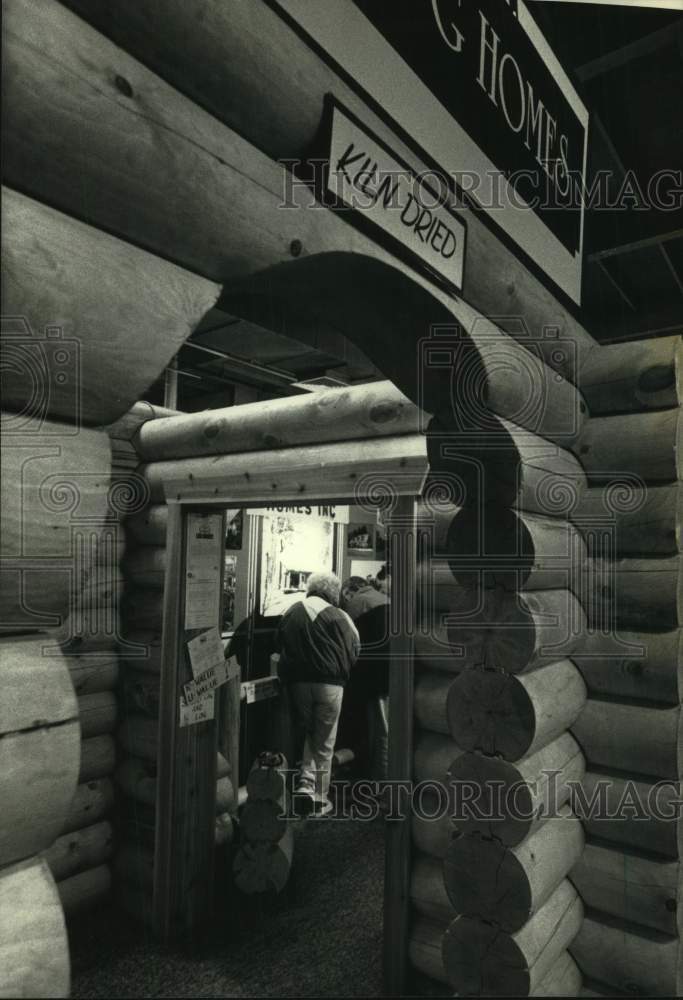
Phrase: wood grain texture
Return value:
(98, 758)
(218, 55)
(632, 738)
(428, 894)
(79, 850)
(635, 376)
(504, 885)
(514, 716)
(92, 801)
(377, 409)
(101, 293)
(634, 593)
(479, 959)
(622, 518)
(637, 444)
(642, 665)
(54, 503)
(541, 784)
(623, 957)
(34, 950)
(318, 471)
(641, 890)
(85, 890)
(97, 713)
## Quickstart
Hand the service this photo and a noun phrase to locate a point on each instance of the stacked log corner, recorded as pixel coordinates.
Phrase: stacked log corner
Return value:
(629, 874)
(264, 859)
(496, 693)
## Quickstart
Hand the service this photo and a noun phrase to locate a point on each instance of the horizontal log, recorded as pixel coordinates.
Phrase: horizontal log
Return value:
(434, 757)
(92, 801)
(98, 758)
(627, 811)
(633, 738)
(424, 947)
(267, 779)
(500, 630)
(431, 826)
(637, 444)
(563, 980)
(377, 409)
(97, 713)
(621, 956)
(634, 593)
(262, 821)
(148, 527)
(39, 770)
(490, 546)
(493, 461)
(260, 867)
(480, 959)
(145, 567)
(79, 850)
(336, 469)
(430, 698)
(86, 890)
(624, 519)
(638, 889)
(37, 689)
(505, 885)
(126, 428)
(141, 692)
(640, 375)
(217, 57)
(514, 717)
(139, 737)
(428, 891)
(92, 673)
(137, 779)
(643, 665)
(510, 801)
(52, 474)
(141, 291)
(142, 611)
(90, 630)
(219, 212)
(34, 949)
(141, 648)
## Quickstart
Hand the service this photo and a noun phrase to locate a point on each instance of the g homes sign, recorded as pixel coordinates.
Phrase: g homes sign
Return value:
(473, 84)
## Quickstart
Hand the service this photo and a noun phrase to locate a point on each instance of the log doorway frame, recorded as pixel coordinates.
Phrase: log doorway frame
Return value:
(183, 884)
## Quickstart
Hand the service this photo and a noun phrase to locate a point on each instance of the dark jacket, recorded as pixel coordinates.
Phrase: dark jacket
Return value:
(319, 643)
(369, 610)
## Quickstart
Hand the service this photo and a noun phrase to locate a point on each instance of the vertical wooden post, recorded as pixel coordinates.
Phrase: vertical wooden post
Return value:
(186, 775)
(401, 548)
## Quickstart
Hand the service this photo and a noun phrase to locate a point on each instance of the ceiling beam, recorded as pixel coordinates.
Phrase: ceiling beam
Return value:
(647, 241)
(634, 50)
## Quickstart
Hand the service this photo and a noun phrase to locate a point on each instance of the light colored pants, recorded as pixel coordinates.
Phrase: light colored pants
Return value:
(317, 708)
(378, 735)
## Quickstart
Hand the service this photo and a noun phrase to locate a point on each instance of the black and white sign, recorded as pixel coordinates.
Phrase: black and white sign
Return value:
(363, 174)
(474, 84)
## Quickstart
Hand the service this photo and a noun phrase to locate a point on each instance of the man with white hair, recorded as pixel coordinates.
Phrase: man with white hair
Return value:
(319, 645)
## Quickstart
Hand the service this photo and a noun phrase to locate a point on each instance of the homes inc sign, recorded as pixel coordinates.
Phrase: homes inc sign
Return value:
(473, 85)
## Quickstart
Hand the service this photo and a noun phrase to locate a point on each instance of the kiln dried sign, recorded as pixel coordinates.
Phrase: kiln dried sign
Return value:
(475, 86)
(365, 176)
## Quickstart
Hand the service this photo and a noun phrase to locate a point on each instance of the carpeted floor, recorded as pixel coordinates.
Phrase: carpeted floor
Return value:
(321, 937)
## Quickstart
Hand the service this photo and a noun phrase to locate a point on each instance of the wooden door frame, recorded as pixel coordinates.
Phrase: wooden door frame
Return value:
(178, 806)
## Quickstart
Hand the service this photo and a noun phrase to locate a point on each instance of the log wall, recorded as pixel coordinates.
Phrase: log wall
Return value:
(495, 836)
(629, 875)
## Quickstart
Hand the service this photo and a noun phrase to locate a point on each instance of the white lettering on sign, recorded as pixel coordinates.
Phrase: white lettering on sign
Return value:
(365, 176)
(325, 511)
